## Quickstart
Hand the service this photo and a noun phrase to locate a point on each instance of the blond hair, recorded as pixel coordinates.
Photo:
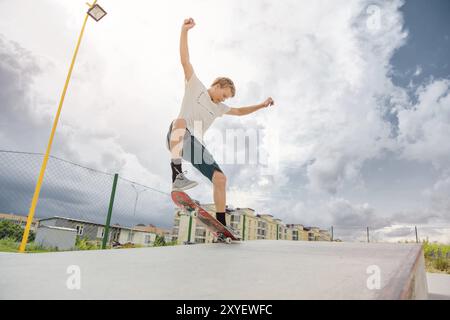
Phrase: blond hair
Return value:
(225, 83)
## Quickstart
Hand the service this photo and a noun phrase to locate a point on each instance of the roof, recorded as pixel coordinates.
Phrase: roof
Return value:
(57, 228)
(94, 223)
(71, 219)
(246, 209)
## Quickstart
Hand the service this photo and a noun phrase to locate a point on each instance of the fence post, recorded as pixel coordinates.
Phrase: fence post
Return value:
(243, 230)
(108, 219)
(332, 234)
(368, 238)
(417, 237)
(190, 227)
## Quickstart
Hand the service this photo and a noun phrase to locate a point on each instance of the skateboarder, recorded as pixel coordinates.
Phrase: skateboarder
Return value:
(200, 107)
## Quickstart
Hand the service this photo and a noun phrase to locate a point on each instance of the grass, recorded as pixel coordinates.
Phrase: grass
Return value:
(10, 245)
(437, 257)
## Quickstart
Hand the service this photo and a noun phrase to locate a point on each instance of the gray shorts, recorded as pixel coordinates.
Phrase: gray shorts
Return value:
(196, 153)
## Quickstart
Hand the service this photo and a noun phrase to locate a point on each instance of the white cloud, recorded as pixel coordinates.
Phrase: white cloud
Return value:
(424, 127)
(418, 71)
(327, 71)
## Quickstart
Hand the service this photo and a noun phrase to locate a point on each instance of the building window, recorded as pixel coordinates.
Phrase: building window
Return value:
(200, 232)
(148, 239)
(130, 236)
(80, 230)
(101, 232)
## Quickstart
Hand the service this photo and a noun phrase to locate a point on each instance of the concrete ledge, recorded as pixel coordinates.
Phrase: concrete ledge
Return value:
(438, 286)
(248, 270)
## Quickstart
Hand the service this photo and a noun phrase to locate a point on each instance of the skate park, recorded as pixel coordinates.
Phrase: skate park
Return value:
(267, 270)
(325, 167)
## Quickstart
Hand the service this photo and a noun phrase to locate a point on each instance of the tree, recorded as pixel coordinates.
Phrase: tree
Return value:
(9, 229)
(159, 241)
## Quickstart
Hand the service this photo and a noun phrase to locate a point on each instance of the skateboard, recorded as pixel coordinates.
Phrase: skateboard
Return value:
(221, 233)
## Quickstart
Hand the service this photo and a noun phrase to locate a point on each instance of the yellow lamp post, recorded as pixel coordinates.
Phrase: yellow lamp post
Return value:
(96, 12)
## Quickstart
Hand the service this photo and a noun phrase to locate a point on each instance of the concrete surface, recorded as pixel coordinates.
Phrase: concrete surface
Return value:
(250, 270)
(438, 286)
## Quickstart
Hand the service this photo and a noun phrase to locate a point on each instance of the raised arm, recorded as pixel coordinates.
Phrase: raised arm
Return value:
(250, 109)
(184, 50)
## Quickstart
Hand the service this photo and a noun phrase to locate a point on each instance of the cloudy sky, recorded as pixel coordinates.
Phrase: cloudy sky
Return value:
(358, 136)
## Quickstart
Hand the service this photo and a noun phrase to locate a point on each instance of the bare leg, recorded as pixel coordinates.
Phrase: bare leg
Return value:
(176, 138)
(219, 190)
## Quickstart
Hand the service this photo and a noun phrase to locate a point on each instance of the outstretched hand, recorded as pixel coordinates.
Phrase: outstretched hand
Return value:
(188, 24)
(269, 102)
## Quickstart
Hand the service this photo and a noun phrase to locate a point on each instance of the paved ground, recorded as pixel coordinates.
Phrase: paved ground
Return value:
(438, 286)
(248, 270)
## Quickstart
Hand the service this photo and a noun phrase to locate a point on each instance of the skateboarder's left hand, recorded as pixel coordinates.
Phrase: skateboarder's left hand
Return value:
(269, 102)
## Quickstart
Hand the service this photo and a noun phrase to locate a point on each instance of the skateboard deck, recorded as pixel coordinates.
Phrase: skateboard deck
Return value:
(221, 233)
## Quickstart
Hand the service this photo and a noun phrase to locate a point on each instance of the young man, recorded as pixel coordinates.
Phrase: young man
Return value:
(200, 107)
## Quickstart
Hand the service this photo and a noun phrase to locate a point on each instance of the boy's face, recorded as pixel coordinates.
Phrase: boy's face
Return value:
(219, 94)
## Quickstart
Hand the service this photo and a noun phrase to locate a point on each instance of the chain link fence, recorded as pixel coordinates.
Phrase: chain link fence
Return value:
(398, 234)
(73, 207)
(74, 203)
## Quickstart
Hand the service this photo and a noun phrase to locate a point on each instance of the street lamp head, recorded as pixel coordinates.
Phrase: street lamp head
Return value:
(97, 12)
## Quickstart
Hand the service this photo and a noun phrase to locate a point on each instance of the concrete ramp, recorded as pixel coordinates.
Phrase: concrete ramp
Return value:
(249, 270)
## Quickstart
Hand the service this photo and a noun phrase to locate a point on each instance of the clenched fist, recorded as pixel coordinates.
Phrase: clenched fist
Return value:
(188, 24)
(268, 102)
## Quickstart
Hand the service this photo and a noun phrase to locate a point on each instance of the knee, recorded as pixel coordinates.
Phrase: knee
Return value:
(179, 124)
(178, 129)
(219, 179)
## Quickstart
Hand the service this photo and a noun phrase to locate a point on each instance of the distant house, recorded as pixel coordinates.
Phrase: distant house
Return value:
(19, 220)
(153, 229)
(95, 232)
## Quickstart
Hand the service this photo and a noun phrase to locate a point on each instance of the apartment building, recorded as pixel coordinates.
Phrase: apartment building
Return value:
(187, 229)
(298, 232)
(284, 233)
(324, 235)
(250, 225)
(267, 227)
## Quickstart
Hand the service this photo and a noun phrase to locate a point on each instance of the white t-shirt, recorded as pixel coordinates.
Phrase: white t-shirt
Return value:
(198, 109)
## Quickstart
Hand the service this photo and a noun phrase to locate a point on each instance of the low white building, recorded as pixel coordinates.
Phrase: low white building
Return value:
(94, 232)
(56, 237)
(130, 235)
